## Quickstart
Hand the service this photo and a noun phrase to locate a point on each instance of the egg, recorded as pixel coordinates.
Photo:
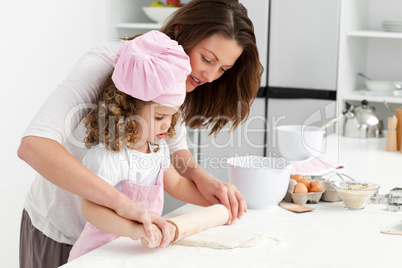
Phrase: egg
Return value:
(315, 186)
(292, 181)
(306, 182)
(300, 188)
(296, 177)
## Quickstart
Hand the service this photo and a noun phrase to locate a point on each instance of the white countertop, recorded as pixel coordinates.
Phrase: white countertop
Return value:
(329, 236)
(366, 160)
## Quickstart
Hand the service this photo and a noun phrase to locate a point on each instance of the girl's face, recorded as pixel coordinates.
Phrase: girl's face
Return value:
(155, 120)
(210, 58)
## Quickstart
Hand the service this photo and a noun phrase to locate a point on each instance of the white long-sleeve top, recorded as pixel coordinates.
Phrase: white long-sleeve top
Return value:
(54, 211)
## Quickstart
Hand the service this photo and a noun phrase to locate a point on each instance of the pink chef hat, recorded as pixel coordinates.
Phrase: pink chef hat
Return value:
(152, 67)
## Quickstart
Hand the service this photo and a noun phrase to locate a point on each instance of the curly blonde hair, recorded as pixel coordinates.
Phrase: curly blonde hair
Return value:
(112, 120)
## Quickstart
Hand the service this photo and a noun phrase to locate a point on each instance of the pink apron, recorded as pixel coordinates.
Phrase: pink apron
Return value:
(148, 196)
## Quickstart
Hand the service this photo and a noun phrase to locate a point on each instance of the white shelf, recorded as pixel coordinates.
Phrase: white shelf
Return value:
(359, 96)
(139, 25)
(375, 34)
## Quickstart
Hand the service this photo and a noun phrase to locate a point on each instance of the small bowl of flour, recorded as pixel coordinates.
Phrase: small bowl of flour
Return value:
(355, 194)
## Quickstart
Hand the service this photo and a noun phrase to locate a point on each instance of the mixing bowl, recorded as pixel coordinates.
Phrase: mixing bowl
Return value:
(354, 194)
(263, 181)
(298, 142)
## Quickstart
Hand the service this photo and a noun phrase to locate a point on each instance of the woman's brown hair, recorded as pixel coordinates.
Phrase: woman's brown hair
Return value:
(229, 98)
(113, 119)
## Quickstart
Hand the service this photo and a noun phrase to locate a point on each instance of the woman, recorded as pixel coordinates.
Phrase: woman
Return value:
(219, 39)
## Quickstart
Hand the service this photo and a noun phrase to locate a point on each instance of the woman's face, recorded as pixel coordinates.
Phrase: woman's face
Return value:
(210, 58)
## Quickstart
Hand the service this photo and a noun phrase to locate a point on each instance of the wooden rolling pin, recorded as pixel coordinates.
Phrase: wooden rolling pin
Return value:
(197, 221)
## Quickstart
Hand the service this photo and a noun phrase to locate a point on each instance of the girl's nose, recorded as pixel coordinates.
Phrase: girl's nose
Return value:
(166, 125)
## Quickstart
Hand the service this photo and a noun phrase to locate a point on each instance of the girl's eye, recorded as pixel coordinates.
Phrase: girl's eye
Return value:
(223, 69)
(159, 118)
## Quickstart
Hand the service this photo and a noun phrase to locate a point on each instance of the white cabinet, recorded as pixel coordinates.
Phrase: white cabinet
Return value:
(258, 13)
(366, 48)
(303, 44)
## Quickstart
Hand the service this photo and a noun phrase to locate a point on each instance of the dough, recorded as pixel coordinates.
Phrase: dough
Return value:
(224, 237)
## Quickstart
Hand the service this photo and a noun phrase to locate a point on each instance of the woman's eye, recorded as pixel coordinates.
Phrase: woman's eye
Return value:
(210, 62)
(206, 60)
(159, 118)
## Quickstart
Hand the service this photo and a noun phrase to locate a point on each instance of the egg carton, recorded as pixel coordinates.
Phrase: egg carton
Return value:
(302, 199)
(329, 194)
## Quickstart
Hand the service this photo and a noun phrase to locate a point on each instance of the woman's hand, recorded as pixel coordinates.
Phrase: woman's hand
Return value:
(218, 192)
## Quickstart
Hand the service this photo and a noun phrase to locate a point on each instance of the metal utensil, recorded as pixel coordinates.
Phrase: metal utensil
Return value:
(341, 176)
(364, 76)
(389, 109)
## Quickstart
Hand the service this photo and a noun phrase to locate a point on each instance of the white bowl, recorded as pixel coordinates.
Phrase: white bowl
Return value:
(298, 142)
(263, 181)
(380, 85)
(159, 14)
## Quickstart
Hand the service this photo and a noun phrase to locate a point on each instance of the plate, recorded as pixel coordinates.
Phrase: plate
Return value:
(393, 29)
(392, 26)
(374, 93)
(392, 22)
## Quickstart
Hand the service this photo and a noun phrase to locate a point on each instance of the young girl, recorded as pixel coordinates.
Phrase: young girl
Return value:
(136, 109)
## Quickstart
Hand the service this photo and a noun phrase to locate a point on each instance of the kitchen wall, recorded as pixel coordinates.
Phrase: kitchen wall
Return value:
(40, 42)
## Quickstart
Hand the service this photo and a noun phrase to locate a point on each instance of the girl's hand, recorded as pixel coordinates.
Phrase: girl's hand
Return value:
(218, 192)
(144, 240)
(158, 232)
